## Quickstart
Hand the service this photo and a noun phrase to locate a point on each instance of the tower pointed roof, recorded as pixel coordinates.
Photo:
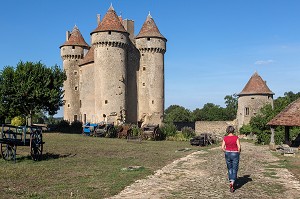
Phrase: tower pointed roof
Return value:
(290, 116)
(149, 29)
(110, 22)
(75, 39)
(256, 85)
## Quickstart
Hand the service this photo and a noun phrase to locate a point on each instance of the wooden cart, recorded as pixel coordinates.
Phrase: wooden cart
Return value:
(13, 136)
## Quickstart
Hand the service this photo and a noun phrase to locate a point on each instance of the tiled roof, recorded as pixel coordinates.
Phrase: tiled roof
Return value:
(75, 39)
(89, 57)
(110, 22)
(256, 85)
(290, 116)
(149, 29)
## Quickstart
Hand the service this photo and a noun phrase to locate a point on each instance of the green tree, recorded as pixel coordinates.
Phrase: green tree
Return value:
(211, 112)
(231, 102)
(176, 113)
(30, 88)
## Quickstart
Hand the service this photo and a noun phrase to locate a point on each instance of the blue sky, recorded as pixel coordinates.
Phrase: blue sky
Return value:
(213, 48)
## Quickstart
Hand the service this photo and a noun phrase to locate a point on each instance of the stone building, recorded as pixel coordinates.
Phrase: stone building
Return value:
(253, 97)
(119, 77)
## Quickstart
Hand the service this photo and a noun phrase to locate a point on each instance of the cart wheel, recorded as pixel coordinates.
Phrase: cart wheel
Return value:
(36, 145)
(8, 151)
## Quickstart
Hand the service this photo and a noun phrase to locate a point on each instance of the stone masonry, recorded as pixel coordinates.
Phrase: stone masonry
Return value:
(120, 77)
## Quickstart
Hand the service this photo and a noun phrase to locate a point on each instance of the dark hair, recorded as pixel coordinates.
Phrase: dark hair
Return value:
(230, 129)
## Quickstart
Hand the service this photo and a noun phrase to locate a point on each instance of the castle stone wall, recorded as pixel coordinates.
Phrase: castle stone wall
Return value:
(218, 128)
(110, 62)
(250, 105)
(87, 93)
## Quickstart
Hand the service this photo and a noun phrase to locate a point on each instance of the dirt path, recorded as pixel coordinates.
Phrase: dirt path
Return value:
(203, 174)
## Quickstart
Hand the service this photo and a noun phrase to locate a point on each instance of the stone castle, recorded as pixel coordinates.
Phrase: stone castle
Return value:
(252, 98)
(119, 77)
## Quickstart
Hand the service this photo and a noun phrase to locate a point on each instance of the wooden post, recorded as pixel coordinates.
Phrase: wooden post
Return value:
(287, 135)
(272, 141)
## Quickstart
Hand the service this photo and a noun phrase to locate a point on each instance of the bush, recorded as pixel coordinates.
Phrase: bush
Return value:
(188, 132)
(63, 126)
(18, 121)
(177, 137)
(76, 127)
(169, 129)
(136, 131)
(246, 129)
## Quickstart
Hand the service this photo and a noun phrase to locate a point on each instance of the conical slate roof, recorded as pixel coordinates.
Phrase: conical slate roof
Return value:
(149, 29)
(110, 22)
(256, 85)
(75, 39)
(290, 116)
(89, 57)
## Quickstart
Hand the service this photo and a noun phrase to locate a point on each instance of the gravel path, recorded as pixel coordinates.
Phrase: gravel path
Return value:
(203, 174)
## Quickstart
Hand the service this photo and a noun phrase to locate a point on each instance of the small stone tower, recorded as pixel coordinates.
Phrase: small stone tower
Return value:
(152, 46)
(253, 97)
(72, 52)
(110, 40)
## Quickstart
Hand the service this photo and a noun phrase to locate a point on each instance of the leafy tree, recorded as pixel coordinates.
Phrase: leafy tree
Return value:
(176, 113)
(30, 88)
(259, 122)
(210, 112)
(231, 102)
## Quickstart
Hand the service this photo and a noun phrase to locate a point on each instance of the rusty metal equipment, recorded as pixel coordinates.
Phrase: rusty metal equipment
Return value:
(13, 136)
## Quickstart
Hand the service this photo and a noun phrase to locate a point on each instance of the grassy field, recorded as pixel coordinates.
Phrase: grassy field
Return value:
(84, 167)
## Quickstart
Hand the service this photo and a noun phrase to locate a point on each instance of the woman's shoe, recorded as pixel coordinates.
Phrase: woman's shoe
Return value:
(231, 188)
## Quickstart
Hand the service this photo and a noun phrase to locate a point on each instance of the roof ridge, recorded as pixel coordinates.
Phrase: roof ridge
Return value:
(110, 22)
(256, 85)
(149, 29)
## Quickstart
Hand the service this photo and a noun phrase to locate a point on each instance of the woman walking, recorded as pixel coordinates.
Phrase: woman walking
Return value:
(232, 148)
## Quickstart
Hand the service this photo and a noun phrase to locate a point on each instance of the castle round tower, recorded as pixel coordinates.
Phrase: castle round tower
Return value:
(72, 52)
(110, 41)
(152, 46)
(253, 97)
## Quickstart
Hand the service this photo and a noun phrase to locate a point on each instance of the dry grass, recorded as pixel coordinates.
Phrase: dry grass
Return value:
(84, 167)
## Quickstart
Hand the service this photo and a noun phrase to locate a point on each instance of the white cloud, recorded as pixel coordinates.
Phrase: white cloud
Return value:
(264, 62)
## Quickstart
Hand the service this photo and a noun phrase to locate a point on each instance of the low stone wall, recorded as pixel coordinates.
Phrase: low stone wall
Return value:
(216, 127)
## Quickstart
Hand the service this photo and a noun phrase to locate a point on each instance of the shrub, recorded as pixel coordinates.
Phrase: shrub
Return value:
(246, 129)
(169, 129)
(76, 127)
(179, 136)
(63, 126)
(136, 131)
(18, 121)
(188, 132)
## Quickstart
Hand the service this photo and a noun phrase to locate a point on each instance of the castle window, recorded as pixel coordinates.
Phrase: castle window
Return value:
(252, 97)
(143, 84)
(144, 68)
(68, 105)
(142, 54)
(246, 110)
(75, 72)
(152, 101)
(75, 117)
(106, 101)
(84, 118)
(73, 47)
(80, 103)
(76, 88)
(109, 32)
(148, 38)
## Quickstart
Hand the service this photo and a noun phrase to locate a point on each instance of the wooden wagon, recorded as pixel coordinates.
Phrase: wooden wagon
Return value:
(13, 136)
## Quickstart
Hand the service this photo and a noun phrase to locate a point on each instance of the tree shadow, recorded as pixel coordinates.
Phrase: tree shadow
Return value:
(241, 181)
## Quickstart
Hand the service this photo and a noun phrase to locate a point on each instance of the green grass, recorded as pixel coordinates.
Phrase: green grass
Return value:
(84, 167)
